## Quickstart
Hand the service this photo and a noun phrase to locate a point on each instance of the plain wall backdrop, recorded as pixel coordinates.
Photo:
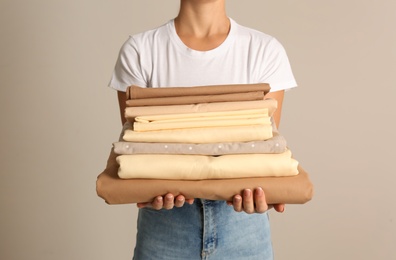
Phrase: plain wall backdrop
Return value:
(59, 120)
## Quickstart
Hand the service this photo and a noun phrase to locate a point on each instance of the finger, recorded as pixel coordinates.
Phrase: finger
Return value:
(157, 203)
(169, 201)
(259, 200)
(279, 207)
(237, 203)
(143, 204)
(190, 201)
(179, 201)
(247, 201)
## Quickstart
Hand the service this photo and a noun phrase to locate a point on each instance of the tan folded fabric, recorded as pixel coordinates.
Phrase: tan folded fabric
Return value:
(162, 101)
(199, 167)
(205, 119)
(135, 92)
(202, 135)
(132, 112)
(290, 190)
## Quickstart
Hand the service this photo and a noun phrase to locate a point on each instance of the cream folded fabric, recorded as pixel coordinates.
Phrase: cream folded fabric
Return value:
(200, 167)
(296, 189)
(205, 119)
(276, 144)
(132, 112)
(135, 92)
(202, 135)
(161, 101)
(231, 114)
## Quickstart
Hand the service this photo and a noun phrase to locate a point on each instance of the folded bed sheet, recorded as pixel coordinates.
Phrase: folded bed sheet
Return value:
(162, 101)
(199, 167)
(276, 144)
(132, 112)
(199, 120)
(136, 92)
(296, 189)
(203, 135)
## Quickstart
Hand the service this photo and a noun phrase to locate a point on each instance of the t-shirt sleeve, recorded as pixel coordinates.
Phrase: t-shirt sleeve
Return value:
(127, 70)
(276, 68)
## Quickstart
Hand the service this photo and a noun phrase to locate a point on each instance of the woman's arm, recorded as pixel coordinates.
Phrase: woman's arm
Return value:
(122, 104)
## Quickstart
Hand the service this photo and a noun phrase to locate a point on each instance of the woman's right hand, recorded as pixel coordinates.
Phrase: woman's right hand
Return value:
(166, 202)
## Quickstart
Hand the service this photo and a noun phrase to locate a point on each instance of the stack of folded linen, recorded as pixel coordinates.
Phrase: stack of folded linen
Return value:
(171, 134)
(212, 161)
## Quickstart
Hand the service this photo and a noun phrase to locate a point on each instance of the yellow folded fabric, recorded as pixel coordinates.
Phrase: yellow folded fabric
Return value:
(202, 135)
(154, 126)
(206, 119)
(131, 112)
(246, 113)
(200, 167)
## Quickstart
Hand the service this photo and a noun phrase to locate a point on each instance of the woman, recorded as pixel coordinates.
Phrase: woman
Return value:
(203, 46)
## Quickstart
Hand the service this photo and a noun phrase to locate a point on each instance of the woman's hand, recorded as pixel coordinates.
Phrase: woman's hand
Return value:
(166, 202)
(253, 202)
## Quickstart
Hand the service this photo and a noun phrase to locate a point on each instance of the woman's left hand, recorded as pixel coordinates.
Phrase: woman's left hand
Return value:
(253, 202)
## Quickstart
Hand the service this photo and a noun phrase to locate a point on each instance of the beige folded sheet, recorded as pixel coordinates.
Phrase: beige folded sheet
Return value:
(135, 92)
(216, 115)
(199, 120)
(199, 167)
(202, 135)
(132, 112)
(290, 190)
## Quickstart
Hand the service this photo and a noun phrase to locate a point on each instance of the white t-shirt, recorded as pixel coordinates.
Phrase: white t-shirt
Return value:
(158, 58)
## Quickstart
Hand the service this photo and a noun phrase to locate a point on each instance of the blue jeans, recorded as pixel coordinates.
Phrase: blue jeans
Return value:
(205, 230)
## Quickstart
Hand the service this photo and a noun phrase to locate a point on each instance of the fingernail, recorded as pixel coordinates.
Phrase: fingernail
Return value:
(259, 192)
(247, 192)
(237, 198)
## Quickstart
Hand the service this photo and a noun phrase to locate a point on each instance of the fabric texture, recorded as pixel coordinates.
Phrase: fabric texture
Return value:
(202, 135)
(132, 112)
(230, 114)
(199, 167)
(296, 189)
(200, 120)
(276, 144)
(247, 96)
(135, 92)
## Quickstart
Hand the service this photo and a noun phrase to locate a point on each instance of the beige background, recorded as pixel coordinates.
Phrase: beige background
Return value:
(59, 120)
